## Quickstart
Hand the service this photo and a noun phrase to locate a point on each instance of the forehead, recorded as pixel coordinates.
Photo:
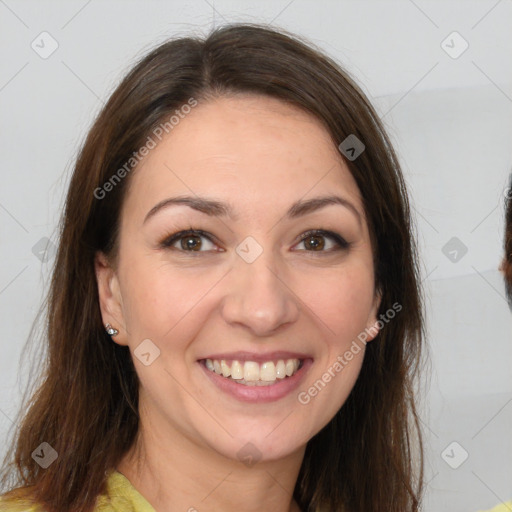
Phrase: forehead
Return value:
(254, 150)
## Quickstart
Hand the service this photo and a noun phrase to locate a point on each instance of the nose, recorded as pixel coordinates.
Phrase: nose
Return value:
(259, 296)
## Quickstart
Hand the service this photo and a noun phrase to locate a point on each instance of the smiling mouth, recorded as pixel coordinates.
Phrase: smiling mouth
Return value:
(252, 373)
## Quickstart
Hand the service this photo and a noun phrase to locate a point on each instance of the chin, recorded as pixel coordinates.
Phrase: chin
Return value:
(262, 441)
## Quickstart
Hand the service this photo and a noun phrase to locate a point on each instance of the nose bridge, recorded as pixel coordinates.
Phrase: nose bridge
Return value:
(257, 295)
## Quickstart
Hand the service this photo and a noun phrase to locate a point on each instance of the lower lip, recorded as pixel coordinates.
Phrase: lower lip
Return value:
(258, 394)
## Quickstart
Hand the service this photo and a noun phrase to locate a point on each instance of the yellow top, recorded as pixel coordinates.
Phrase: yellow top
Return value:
(121, 497)
(504, 507)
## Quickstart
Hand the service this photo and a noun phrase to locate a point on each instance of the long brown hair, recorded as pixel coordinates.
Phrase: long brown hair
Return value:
(86, 407)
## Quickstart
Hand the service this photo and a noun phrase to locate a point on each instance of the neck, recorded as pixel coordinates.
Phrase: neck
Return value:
(174, 473)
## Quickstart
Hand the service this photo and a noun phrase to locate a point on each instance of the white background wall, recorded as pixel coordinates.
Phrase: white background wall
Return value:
(450, 119)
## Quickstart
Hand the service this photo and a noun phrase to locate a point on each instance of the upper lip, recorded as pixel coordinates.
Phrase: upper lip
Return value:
(257, 357)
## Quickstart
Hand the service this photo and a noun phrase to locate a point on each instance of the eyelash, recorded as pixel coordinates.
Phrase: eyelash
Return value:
(170, 239)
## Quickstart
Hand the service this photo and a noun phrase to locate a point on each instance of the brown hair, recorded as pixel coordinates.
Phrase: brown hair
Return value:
(506, 262)
(86, 405)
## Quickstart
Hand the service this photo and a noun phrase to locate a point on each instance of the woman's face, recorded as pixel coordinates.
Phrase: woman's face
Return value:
(251, 295)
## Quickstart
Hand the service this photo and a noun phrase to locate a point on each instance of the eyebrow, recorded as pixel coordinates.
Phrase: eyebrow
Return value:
(218, 209)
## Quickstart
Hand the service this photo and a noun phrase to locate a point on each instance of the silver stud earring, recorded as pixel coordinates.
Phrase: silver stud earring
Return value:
(110, 330)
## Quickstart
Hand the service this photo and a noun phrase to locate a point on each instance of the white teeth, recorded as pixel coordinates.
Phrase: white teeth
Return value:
(253, 373)
(268, 371)
(290, 367)
(226, 370)
(237, 371)
(280, 369)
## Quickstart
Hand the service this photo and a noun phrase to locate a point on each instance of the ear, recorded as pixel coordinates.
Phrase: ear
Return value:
(111, 303)
(372, 328)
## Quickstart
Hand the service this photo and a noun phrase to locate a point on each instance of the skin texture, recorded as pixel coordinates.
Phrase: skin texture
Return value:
(260, 155)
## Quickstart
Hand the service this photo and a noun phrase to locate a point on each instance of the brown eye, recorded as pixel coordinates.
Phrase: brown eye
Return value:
(188, 241)
(192, 242)
(314, 241)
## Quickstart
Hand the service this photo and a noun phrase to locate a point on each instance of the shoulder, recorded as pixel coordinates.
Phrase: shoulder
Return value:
(504, 507)
(120, 496)
(18, 505)
(18, 500)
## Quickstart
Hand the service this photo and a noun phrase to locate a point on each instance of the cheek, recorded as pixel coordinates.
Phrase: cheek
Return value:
(157, 297)
(342, 301)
